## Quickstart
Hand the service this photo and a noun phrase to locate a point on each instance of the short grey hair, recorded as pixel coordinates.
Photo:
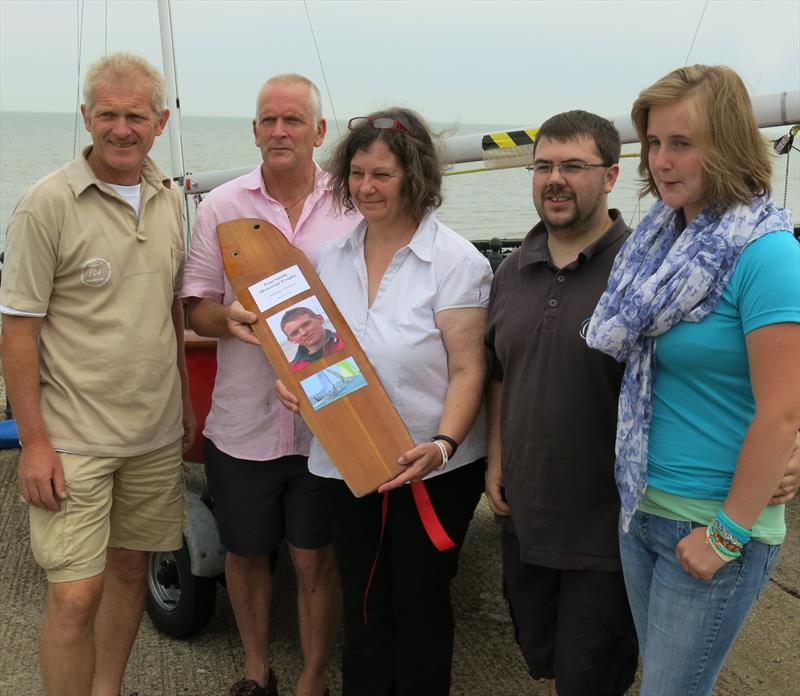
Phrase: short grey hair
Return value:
(314, 96)
(125, 67)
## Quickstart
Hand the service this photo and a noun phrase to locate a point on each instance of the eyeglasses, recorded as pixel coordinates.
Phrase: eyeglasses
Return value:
(379, 122)
(566, 169)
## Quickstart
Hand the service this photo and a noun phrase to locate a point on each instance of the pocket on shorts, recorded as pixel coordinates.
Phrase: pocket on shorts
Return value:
(50, 536)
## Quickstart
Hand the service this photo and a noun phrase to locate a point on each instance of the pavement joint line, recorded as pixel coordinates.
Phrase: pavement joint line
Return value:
(789, 590)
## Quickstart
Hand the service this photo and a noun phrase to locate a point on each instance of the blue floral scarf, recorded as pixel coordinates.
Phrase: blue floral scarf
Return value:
(663, 275)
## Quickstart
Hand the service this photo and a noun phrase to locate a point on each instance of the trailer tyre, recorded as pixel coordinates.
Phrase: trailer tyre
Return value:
(178, 603)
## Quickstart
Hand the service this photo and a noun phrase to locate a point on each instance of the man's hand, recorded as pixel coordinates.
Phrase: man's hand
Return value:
(189, 424)
(239, 322)
(41, 477)
(790, 483)
(287, 399)
(696, 556)
(495, 492)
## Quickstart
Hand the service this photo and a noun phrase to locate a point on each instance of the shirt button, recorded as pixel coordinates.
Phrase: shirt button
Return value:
(561, 278)
(552, 302)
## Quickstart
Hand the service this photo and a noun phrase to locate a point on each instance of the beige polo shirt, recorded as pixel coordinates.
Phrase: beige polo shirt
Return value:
(104, 282)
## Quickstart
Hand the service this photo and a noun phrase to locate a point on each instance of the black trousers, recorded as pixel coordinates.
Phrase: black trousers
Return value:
(574, 626)
(405, 646)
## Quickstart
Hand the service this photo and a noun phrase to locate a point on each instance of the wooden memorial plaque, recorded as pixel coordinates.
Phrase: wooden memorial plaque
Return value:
(341, 397)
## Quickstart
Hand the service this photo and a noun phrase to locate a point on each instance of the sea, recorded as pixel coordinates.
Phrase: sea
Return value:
(482, 205)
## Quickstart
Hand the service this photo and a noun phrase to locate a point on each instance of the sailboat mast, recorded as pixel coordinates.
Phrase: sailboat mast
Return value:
(173, 103)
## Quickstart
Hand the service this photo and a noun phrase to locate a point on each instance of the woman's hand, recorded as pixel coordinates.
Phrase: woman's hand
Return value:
(239, 320)
(289, 400)
(420, 460)
(696, 556)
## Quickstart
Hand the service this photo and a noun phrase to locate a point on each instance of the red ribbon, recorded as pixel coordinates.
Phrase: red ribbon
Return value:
(384, 515)
(427, 515)
(430, 520)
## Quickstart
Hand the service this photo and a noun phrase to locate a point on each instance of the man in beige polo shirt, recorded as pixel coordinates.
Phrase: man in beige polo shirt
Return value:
(92, 351)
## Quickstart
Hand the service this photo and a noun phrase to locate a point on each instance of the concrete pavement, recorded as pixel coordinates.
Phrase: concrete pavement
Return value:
(764, 660)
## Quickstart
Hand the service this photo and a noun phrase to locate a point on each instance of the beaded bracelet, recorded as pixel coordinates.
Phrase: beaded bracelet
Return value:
(726, 537)
(742, 534)
(725, 555)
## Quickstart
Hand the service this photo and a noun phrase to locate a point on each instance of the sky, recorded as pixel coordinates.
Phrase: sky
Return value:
(512, 63)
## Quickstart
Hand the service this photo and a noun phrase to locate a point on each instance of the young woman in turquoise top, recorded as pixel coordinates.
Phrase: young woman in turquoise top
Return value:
(703, 305)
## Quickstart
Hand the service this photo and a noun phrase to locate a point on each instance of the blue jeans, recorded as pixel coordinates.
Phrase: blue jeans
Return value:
(686, 626)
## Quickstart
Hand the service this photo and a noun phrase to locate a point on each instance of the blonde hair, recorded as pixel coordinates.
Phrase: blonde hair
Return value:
(129, 68)
(735, 158)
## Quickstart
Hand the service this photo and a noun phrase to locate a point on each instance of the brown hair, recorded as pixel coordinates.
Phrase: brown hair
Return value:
(735, 158)
(414, 149)
(296, 313)
(572, 125)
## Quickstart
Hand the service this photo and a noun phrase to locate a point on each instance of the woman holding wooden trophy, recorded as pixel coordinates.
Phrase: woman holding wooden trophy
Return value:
(415, 295)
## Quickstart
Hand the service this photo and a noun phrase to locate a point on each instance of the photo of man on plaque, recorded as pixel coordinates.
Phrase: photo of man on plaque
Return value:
(306, 326)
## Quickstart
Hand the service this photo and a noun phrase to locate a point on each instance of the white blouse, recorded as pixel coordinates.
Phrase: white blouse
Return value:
(437, 270)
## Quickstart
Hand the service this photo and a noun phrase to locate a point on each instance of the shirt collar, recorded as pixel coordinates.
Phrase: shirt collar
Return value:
(254, 181)
(421, 243)
(330, 337)
(80, 175)
(613, 233)
(534, 247)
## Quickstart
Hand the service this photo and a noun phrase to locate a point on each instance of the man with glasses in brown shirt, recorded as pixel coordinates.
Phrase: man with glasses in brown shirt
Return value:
(552, 420)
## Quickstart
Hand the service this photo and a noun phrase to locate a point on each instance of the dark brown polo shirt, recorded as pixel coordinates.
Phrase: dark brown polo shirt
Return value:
(559, 405)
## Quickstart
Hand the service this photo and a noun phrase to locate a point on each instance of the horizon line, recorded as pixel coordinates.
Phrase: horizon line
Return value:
(494, 124)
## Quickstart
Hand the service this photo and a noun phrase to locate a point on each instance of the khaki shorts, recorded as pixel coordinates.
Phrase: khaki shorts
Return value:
(131, 503)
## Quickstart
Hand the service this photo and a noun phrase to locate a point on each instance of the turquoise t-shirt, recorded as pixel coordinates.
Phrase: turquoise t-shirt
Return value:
(702, 399)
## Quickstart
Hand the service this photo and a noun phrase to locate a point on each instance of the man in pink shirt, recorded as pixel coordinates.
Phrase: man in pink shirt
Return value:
(256, 451)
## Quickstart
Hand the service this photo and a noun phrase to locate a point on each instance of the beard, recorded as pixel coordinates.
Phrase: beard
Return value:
(574, 221)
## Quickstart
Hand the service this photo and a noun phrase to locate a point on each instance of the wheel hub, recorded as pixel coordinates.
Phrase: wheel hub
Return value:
(167, 574)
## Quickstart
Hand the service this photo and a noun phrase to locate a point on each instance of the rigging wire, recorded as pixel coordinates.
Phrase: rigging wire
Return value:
(784, 146)
(696, 32)
(786, 181)
(322, 68)
(174, 68)
(79, 5)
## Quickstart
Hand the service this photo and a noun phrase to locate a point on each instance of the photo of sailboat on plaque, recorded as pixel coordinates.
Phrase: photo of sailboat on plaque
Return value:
(332, 383)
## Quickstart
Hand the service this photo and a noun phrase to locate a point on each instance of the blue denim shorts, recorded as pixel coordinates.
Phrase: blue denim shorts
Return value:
(686, 626)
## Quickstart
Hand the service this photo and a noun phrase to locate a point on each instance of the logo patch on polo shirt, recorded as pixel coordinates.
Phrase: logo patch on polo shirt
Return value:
(96, 272)
(584, 328)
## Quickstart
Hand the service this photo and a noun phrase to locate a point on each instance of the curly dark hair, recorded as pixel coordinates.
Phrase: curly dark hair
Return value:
(415, 150)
